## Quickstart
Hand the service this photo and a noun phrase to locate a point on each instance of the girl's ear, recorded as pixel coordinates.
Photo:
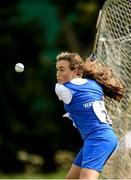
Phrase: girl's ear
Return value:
(78, 72)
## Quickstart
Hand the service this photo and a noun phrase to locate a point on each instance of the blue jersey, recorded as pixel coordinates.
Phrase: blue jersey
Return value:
(81, 107)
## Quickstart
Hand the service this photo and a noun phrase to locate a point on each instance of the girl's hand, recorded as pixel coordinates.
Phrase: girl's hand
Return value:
(90, 66)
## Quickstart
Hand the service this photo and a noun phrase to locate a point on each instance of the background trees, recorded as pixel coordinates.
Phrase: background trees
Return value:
(33, 32)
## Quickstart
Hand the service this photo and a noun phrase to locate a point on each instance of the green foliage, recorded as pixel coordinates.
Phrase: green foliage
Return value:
(33, 32)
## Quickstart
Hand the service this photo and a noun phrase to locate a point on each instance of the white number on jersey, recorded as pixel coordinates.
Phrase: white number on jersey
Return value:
(101, 113)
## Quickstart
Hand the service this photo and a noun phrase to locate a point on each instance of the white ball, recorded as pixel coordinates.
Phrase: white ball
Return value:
(19, 67)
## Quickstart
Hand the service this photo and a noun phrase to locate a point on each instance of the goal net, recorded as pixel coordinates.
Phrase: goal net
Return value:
(114, 48)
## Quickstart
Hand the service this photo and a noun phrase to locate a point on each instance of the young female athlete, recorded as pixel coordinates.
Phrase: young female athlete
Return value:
(83, 100)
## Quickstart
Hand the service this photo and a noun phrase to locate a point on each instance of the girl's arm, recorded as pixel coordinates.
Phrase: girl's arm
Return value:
(63, 93)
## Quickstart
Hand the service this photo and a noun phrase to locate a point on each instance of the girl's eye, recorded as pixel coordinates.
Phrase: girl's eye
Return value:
(61, 70)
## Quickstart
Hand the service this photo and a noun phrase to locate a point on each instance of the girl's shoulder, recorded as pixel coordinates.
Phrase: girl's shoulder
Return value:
(79, 81)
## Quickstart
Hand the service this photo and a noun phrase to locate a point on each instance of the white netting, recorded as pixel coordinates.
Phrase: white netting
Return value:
(114, 49)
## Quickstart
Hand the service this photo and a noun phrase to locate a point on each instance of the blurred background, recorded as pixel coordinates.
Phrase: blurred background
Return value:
(34, 138)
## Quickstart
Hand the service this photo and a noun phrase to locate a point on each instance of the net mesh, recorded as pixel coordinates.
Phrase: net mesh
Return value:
(114, 49)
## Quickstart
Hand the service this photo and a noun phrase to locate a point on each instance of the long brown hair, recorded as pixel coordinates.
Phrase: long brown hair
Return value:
(112, 86)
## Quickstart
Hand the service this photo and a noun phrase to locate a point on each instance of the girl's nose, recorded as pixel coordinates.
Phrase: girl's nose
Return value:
(58, 73)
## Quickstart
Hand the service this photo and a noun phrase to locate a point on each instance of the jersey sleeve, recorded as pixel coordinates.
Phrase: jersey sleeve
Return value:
(64, 94)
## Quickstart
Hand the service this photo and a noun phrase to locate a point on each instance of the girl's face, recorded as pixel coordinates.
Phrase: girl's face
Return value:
(63, 72)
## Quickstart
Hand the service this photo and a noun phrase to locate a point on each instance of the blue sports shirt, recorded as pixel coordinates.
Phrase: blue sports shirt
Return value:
(86, 108)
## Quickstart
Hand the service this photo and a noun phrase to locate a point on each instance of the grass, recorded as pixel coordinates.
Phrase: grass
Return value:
(56, 175)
